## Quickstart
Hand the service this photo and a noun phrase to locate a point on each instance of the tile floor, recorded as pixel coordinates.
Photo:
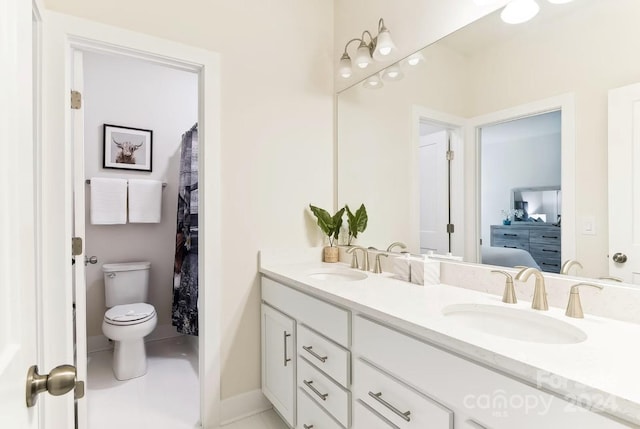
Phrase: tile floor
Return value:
(165, 398)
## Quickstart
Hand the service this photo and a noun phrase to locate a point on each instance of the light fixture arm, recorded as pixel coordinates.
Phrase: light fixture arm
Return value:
(381, 26)
(347, 45)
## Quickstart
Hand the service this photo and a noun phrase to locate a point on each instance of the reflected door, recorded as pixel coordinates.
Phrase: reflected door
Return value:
(434, 192)
(624, 183)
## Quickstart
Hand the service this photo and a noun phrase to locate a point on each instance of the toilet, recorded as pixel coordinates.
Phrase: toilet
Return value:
(129, 318)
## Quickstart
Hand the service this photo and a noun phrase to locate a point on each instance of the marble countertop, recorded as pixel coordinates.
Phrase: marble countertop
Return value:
(602, 372)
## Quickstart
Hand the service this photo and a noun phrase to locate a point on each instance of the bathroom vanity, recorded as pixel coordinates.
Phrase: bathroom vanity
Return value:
(344, 349)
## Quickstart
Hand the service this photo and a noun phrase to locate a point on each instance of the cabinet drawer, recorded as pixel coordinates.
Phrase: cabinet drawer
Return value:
(545, 236)
(397, 402)
(511, 244)
(325, 392)
(329, 320)
(325, 355)
(366, 418)
(510, 233)
(311, 416)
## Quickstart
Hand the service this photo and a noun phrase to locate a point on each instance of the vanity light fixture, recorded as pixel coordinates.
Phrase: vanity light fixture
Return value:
(414, 59)
(519, 11)
(376, 48)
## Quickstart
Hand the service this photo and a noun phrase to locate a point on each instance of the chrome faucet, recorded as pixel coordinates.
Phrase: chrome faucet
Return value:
(567, 266)
(399, 244)
(378, 267)
(540, 293)
(354, 257)
(354, 260)
(611, 278)
(574, 307)
(509, 294)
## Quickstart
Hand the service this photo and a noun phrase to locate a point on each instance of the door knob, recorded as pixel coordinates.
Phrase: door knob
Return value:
(60, 380)
(620, 258)
(90, 260)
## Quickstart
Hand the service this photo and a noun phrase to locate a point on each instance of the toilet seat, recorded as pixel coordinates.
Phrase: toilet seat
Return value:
(129, 314)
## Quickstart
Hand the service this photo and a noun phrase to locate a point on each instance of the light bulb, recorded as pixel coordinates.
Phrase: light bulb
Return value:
(415, 59)
(519, 11)
(363, 56)
(344, 69)
(373, 82)
(384, 45)
(393, 73)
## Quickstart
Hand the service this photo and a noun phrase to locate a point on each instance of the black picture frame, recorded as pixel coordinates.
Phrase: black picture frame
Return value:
(127, 148)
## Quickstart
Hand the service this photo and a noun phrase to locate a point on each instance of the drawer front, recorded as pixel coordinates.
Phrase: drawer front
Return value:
(325, 392)
(332, 359)
(545, 236)
(329, 320)
(311, 416)
(397, 402)
(366, 418)
(548, 265)
(510, 234)
(511, 244)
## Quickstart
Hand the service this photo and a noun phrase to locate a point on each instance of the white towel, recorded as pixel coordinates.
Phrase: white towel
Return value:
(108, 201)
(145, 201)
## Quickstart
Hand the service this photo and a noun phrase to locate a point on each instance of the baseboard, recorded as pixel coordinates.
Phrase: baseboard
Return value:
(100, 343)
(243, 405)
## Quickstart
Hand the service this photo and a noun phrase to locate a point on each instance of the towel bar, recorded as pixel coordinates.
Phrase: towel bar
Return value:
(88, 182)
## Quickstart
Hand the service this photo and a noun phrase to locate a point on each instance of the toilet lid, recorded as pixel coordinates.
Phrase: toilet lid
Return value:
(129, 314)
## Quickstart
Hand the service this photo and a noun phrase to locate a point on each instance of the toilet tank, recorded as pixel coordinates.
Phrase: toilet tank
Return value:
(126, 283)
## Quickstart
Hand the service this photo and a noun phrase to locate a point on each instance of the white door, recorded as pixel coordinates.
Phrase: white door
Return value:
(278, 362)
(434, 193)
(624, 183)
(18, 299)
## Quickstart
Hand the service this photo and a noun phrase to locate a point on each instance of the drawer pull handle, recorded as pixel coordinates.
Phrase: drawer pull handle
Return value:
(378, 397)
(551, 265)
(548, 250)
(550, 236)
(309, 349)
(510, 247)
(510, 235)
(286, 359)
(309, 384)
(307, 426)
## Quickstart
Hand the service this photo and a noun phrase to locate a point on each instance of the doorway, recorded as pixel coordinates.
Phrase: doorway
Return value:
(131, 99)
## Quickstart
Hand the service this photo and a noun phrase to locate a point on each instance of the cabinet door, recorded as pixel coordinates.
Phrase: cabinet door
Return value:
(278, 362)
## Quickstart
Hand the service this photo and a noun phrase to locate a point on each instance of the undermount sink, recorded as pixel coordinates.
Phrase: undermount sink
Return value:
(337, 275)
(514, 323)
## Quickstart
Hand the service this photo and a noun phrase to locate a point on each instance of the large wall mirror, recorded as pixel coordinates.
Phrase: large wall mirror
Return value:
(495, 123)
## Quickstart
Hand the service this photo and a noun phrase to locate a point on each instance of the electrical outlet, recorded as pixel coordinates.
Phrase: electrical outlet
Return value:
(589, 225)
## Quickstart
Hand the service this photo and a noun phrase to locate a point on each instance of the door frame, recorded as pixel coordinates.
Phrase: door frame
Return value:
(456, 126)
(566, 104)
(64, 35)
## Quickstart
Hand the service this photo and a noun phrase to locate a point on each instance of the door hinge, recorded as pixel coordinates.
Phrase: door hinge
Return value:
(76, 246)
(450, 228)
(76, 100)
(450, 155)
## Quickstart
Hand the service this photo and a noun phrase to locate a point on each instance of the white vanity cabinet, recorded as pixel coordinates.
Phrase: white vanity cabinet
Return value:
(278, 363)
(321, 357)
(477, 396)
(348, 369)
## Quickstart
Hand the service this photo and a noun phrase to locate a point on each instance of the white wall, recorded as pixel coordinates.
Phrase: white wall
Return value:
(276, 136)
(121, 91)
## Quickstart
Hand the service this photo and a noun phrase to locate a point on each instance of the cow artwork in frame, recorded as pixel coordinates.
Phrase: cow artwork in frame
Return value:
(127, 148)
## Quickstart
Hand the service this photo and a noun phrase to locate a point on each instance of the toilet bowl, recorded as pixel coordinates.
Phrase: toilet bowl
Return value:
(127, 325)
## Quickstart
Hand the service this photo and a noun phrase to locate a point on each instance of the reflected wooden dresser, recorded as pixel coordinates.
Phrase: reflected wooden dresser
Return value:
(543, 242)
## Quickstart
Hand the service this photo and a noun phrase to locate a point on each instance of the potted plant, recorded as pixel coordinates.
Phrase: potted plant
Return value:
(357, 222)
(510, 214)
(330, 225)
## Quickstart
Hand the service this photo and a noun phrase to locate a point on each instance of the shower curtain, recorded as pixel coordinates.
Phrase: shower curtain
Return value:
(185, 270)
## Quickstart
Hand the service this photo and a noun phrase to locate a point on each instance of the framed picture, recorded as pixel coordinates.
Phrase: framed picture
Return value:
(127, 148)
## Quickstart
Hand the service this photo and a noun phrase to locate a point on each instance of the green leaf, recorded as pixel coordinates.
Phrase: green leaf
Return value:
(357, 221)
(330, 225)
(325, 222)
